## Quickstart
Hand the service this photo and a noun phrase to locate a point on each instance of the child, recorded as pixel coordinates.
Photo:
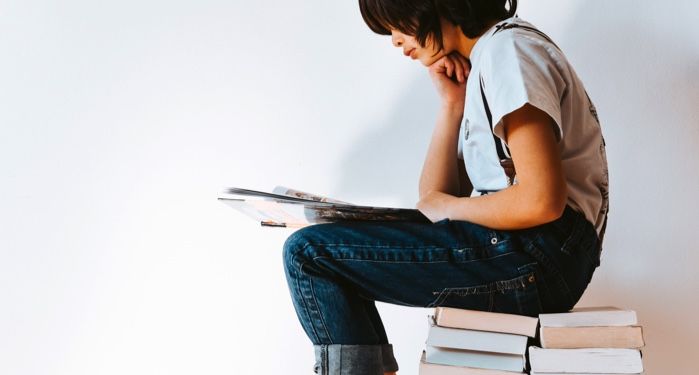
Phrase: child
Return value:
(517, 114)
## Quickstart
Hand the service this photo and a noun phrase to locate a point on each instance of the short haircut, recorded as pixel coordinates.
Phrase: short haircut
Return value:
(421, 18)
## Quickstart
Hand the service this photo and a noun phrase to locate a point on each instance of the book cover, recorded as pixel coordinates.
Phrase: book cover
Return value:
(427, 368)
(475, 359)
(630, 337)
(590, 317)
(591, 360)
(486, 321)
(467, 339)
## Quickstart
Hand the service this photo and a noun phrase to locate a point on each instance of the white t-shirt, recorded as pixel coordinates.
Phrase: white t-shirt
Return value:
(519, 66)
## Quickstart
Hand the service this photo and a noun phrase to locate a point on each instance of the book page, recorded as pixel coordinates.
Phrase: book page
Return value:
(282, 190)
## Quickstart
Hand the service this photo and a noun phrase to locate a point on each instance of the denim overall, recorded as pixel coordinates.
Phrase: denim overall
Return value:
(336, 272)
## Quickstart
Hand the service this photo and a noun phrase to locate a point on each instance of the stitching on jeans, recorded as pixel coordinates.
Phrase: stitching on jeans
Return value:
(485, 246)
(303, 298)
(550, 266)
(377, 246)
(408, 261)
(500, 286)
(325, 327)
(427, 247)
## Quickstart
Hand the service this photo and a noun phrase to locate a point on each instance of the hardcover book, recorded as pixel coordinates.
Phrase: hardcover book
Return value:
(585, 361)
(630, 337)
(475, 359)
(486, 321)
(590, 317)
(467, 339)
(427, 368)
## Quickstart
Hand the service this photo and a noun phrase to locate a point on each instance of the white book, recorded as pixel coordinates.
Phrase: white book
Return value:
(427, 368)
(590, 317)
(475, 340)
(572, 373)
(473, 358)
(592, 360)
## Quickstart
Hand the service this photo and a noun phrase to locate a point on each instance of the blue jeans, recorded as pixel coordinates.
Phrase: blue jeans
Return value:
(336, 272)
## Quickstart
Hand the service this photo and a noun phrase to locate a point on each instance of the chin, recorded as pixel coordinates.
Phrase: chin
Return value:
(426, 61)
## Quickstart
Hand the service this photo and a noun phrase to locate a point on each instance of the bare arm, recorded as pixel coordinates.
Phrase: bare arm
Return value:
(540, 194)
(465, 185)
(440, 169)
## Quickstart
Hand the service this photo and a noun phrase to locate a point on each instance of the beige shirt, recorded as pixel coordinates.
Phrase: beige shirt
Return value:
(520, 66)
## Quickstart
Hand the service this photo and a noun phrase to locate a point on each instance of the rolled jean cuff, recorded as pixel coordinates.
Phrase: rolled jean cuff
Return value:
(340, 359)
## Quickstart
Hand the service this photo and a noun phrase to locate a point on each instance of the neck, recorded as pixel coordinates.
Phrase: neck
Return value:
(465, 44)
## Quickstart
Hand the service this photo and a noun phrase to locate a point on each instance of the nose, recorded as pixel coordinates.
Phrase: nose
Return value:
(396, 39)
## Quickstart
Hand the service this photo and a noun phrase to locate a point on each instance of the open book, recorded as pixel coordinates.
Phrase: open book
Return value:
(286, 207)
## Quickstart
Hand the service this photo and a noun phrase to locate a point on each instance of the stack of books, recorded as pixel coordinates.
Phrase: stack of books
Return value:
(592, 340)
(468, 342)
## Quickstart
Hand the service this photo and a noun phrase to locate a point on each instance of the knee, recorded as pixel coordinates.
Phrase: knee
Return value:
(295, 246)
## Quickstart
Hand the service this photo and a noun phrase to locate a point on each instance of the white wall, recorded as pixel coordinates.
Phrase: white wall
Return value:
(122, 120)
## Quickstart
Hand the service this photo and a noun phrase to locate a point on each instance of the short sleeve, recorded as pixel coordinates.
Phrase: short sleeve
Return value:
(517, 70)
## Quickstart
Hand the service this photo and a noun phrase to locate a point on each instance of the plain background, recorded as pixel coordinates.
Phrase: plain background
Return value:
(121, 121)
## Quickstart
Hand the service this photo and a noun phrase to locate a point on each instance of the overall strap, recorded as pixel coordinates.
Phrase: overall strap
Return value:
(507, 26)
(498, 142)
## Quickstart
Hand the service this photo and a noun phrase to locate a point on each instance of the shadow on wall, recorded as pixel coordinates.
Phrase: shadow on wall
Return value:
(641, 67)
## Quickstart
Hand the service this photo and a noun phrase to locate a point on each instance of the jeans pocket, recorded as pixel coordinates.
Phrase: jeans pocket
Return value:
(518, 295)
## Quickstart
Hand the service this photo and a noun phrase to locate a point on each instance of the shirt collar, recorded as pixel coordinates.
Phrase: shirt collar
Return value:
(487, 35)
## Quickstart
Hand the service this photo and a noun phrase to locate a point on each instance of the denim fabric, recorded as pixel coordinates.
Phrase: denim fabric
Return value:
(336, 272)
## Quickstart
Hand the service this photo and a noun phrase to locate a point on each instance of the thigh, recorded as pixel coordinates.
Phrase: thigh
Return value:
(448, 263)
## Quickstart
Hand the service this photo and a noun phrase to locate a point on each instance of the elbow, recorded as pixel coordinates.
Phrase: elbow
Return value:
(550, 206)
(551, 211)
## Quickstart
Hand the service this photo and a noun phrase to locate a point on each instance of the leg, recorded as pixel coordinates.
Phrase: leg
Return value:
(334, 270)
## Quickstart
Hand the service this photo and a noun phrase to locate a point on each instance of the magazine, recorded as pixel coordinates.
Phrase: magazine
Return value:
(285, 207)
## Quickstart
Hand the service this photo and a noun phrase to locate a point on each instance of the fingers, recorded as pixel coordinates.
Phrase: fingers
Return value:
(454, 66)
(460, 74)
(448, 66)
(457, 66)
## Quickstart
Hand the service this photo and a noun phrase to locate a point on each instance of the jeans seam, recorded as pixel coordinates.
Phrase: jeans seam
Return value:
(322, 321)
(306, 309)
(303, 297)
(426, 247)
(409, 261)
(551, 267)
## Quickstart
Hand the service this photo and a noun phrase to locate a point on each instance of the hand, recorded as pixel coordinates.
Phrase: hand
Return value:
(434, 205)
(449, 75)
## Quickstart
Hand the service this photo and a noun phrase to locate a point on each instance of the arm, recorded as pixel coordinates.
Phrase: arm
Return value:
(465, 185)
(440, 168)
(538, 197)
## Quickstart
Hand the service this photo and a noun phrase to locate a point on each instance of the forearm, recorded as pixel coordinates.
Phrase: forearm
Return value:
(509, 209)
(465, 185)
(440, 169)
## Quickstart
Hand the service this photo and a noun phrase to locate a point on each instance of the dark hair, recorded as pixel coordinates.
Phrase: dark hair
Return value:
(421, 18)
